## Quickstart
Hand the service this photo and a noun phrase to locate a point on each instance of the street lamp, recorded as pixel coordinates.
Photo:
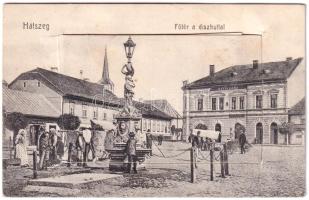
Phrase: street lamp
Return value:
(129, 46)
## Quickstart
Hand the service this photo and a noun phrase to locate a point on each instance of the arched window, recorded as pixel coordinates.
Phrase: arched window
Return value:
(237, 129)
(274, 133)
(218, 127)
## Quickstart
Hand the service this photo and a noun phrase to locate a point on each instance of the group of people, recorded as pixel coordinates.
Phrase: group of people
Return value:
(84, 144)
(206, 145)
(201, 143)
(51, 148)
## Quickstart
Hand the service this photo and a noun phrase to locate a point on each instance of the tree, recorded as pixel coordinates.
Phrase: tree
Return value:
(14, 122)
(286, 129)
(68, 122)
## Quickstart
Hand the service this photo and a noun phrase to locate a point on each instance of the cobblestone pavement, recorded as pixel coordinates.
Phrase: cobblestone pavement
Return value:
(263, 171)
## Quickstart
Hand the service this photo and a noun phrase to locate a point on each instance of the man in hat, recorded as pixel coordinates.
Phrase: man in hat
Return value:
(242, 141)
(131, 153)
(149, 141)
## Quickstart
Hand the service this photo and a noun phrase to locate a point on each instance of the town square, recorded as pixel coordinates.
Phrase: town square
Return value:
(102, 114)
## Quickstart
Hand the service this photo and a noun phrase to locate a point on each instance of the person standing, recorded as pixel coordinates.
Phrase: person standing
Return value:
(59, 147)
(197, 140)
(160, 139)
(149, 141)
(21, 148)
(80, 147)
(242, 141)
(131, 153)
(44, 149)
(140, 136)
(87, 138)
(53, 150)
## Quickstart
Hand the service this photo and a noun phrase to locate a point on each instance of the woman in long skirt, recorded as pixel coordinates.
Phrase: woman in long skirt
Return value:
(21, 148)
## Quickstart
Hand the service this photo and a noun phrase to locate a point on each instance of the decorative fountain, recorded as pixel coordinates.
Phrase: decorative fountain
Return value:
(128, 118)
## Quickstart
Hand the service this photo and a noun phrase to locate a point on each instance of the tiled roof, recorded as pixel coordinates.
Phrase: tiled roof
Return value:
(245, 74)
(299, 108)
(69, 86)
(149, 110)
(28, 103)
(164, 106)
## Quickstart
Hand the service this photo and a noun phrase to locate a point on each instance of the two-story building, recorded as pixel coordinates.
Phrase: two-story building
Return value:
(252, 96)
(79, 97)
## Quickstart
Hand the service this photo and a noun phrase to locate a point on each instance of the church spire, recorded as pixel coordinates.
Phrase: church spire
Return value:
(105, 80)
(105, 75)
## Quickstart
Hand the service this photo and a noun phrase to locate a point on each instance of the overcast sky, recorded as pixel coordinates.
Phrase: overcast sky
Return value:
(161, 62)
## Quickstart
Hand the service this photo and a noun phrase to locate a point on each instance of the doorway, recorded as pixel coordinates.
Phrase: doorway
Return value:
(259, 133)
(274, 133)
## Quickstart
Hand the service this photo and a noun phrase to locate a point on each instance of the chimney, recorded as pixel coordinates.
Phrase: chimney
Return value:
(255, 64)
(289, 58)
(211, 70)
(54, 69)
(184, 83)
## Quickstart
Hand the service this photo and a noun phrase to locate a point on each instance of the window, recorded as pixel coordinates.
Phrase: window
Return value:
(153, 125)
(158, 126)
(84, 110)
(259, 101)
(273, 100)
(221, 103)
(25, 84)
(72, 108)
(233, 103)
(200, 104)
(241, 103)
(95, 113)
(144, 124)
(148, 124)
(214, 104)
(104, 116)
(39, 84)
(185, 103)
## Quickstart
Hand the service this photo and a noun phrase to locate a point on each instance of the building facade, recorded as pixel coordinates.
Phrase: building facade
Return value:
(35, 107)
(297, 117)
(81, 98)
(251, 96)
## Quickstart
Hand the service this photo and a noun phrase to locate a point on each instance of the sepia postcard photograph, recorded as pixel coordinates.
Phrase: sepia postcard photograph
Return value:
(153, 100)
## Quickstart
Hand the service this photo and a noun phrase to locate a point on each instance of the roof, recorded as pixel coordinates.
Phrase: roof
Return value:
(28, 103)
(299, 108)
(245, 74)
(148, 110)
(164, 106)
(69, 86)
